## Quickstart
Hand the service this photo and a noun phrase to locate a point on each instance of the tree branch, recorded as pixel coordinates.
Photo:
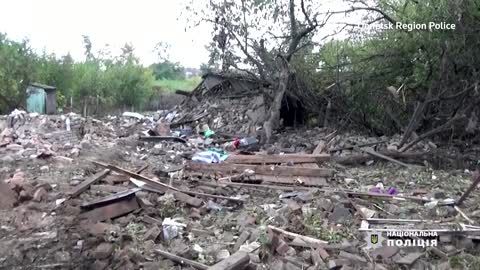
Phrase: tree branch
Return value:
(293, 20)
(377, 10)
(244, 49)
(302, 5)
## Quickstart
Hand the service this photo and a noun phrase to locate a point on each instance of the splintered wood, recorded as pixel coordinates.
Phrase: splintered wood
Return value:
(261, 169)
(236, 261)
(275, 159)
(293, 169)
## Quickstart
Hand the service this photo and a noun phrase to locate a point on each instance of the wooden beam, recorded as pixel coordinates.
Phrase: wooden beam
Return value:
(87, 183)
(112, 210)
(199, 194)
(238, 260)
(330, 190)
(139, 171)
(296, 180)
(156, 185)
(464, 215)
(476, 181)
(162, 138)
(360, 145)
(259, 169)
(413, 157)
(276, 159)
(320, 148)
(256, 186)
(136, 176)
(306, 239)
(182, 261)
(376, 154)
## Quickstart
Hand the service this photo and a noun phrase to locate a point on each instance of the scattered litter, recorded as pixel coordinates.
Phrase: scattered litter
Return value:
(209, 157)
(133, 114)
(308, 199)
(208, 133)
(172, 228)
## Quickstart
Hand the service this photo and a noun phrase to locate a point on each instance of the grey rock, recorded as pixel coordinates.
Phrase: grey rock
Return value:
(103, 251)
(340, 215)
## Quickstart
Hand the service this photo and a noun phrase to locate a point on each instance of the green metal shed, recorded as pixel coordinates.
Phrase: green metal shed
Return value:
(41, 98)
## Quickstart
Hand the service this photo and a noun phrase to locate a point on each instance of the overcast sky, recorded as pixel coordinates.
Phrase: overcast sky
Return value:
(58, 26)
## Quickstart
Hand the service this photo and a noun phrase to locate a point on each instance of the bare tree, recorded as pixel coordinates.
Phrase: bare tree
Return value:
(261, 38)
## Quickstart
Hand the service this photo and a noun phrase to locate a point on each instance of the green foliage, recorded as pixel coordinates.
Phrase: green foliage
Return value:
(464, 261)
(418, 64)
(17, 69)
(172, 85)
(100, 81)
(167, 70)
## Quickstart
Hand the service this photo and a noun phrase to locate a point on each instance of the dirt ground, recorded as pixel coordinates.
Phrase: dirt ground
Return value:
(45, 228)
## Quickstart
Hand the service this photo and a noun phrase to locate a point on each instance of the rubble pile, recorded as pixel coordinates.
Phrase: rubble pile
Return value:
(238, 116)
(195, 189)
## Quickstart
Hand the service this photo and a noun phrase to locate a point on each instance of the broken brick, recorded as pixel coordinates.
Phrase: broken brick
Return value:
(152, 233)
(40, 195)
(8, 197)
(282, 247)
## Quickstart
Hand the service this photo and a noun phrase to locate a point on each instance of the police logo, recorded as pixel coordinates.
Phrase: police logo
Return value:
(374, 238)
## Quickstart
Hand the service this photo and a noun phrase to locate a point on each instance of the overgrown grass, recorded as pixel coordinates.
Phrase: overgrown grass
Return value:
(172, 85)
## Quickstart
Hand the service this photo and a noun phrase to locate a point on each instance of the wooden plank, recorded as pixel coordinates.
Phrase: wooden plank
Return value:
(259, 169)
(113, 210)
(162, 138)
(180, 260)
(312, 181)
(149, 181)
(195, 202)
(257, 186)
(112, 198)
(320, 148)
(360, 145)
(275, 159)
(475, 182)
(464, 215)
(156, 186)
(236, 261)
(87, 183)
(376, 154)
(306, 239)
(300, 180)
(193, 193)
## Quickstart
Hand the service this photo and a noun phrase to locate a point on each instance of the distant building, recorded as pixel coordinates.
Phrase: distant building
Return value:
(192, 72)
(41, 98)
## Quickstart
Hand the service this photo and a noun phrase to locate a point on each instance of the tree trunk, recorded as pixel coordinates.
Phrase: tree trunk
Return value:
(327, 114)
(274, 113)
(85, 107)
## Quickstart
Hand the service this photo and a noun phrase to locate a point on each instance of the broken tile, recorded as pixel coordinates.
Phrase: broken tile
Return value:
(383, 253)
(152, 233)
(353, 257)
(340, 215)
(40, 195)
(103, 251)
(409, 258)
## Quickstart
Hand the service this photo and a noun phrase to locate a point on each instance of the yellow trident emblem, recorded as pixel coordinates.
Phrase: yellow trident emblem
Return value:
(374, 238)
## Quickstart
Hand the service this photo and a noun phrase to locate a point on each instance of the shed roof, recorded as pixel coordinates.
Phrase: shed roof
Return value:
(43, 86)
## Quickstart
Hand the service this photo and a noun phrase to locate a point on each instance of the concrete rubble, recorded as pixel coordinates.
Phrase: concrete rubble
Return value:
(122, 192)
